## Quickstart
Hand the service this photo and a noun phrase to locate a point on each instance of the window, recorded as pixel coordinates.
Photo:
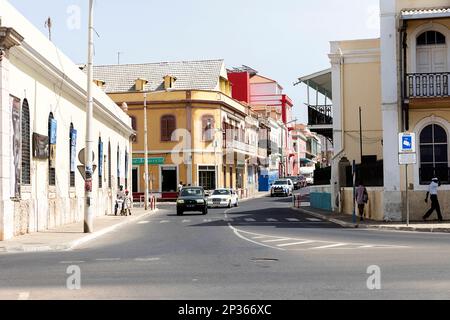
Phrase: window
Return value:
(26, 136)
(433, 154)
(208, 128)
(52, 148)
(118, 167)
(168, 125)
(134, 126)
(72, 152)
(109, 166)
(100, 163)
(430, 38)
(126, 169)
(207, 177)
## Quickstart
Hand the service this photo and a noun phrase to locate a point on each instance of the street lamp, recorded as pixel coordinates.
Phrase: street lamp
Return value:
(88, 213)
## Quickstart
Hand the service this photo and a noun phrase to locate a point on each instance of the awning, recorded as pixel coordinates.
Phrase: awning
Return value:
(306, 160)
(320, 81)
(430, 13)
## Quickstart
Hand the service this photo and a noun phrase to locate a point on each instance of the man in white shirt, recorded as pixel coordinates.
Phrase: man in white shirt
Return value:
(433, 192)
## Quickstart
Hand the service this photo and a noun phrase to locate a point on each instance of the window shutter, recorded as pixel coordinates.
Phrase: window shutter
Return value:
(26, 145)
(164, 129)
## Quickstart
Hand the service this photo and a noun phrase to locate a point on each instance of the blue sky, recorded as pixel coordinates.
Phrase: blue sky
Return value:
(282, 39)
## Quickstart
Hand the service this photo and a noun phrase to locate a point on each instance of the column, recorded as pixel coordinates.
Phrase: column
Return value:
(392, 200)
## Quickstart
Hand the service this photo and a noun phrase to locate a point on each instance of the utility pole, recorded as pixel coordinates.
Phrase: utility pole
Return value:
(118, 57)
(88, 214)
(146, 151)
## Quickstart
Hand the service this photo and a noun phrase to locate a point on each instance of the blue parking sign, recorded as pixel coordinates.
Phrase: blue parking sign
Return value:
(407, 143)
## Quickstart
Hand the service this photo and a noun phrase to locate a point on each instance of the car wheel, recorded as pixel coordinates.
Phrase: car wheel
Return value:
(205, 211)
(229, 204)
(179, 213)
(237, 204)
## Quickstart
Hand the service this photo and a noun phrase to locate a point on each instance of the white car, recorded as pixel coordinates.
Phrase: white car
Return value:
(283, 187)
(223, 198)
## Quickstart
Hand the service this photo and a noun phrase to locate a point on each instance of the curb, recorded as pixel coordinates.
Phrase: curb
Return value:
(69, 246)
(374, 227)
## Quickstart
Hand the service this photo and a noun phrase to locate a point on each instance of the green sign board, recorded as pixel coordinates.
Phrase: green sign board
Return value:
(155, 161)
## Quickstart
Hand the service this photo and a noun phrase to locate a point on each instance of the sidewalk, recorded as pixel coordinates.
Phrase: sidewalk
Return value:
(68, 237)
(346, 221)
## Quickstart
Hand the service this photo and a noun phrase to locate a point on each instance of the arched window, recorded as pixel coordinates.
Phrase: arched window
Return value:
(168, 125)
(430, 38)
(208, 128)
(433, 154)
(118, 167)
(52, 150)
(100, 163)
(109, 166)
(26, 137)
(72, 153)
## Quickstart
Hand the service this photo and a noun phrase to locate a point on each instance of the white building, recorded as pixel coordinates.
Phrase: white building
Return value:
(42, 131)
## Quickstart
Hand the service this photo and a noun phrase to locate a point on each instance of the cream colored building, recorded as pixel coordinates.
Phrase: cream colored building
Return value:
(401, 83)
(42, 131)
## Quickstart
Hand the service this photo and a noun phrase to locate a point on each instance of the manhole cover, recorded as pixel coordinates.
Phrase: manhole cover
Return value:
(264, 260)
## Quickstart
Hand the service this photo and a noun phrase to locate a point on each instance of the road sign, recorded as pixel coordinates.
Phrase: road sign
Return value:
(407, 158)
(81, 156)
(407, 143)
(153, 161)
(82, 170)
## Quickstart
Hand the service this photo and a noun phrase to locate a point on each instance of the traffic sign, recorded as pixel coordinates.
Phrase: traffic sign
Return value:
(407, 143)
(407, 158)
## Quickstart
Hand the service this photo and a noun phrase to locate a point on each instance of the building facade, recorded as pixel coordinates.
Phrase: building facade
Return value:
(42, 104)
(197, 133)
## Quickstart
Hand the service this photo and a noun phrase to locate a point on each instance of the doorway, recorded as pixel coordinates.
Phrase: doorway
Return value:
(135, 179)
(169, 179)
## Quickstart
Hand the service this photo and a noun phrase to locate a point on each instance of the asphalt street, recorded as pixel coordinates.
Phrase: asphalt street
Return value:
(261, 250)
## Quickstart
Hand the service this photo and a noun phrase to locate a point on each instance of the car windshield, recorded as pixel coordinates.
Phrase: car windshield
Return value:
(221, 193)
(280, 183)
(186, 192)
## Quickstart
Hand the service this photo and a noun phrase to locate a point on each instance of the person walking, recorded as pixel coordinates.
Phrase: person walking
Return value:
(433, 194)
(362, 197)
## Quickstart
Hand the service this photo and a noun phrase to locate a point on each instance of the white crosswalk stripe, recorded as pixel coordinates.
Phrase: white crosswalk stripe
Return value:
(164, 221)
(332, 246)
(143, 222)
(276, 240)
(272, 220)
(186, 221)
(313, 220)
(250, 220)
(293, 220)
(294, 243)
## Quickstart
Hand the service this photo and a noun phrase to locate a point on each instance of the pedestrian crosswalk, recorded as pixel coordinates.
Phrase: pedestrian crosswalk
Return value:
(297, 244)
(244, 220)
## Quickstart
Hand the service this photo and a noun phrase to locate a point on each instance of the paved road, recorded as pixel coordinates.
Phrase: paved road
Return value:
(261, 250)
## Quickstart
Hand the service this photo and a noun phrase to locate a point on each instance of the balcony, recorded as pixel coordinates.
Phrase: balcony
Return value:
(320, 120)
(320, 115)
(240, 147)
(428, 85)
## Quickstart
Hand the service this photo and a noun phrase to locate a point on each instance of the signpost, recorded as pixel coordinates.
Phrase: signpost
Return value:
(407, 156)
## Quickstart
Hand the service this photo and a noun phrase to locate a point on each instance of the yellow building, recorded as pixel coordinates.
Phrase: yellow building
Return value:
(401, 82)
(189, 116)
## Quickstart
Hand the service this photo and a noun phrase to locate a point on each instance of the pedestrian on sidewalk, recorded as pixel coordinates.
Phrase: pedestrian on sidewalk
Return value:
(362, 198)
(433, 193)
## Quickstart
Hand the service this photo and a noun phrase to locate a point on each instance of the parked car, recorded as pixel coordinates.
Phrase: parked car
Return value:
(192, 199)
(282, 187)
(223, 198)
(302, 180)
(296, 181)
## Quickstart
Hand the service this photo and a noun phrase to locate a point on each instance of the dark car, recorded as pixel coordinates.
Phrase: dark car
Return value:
(192, 199)
(296, 181)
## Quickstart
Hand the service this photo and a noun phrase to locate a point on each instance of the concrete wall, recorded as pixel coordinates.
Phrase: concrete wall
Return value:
(374, 209)
(320, 197)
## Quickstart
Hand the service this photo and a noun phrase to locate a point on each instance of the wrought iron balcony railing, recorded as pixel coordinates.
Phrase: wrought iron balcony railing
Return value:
(428, 85)
(320, 115)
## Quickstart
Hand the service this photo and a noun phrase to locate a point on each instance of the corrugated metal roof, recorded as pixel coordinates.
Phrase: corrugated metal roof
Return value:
(190, 75)
(425, 13)
(320, 81)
